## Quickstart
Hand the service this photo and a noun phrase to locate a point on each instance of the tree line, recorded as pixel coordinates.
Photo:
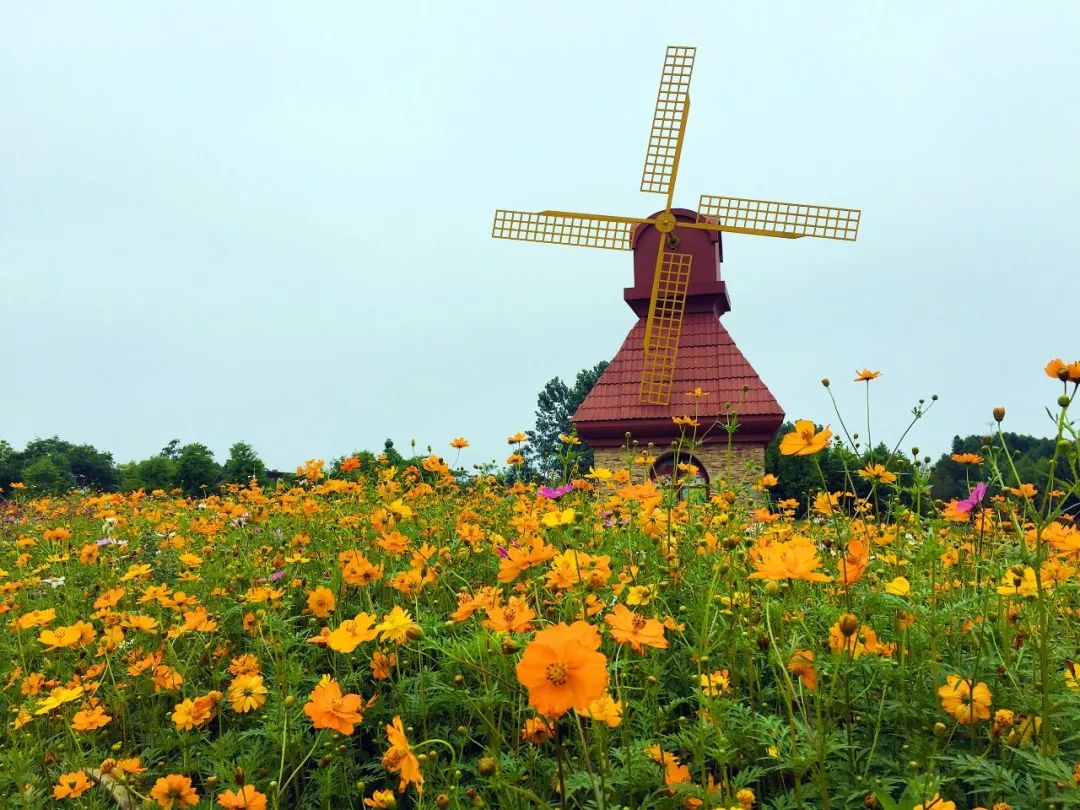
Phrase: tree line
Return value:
(54, 466)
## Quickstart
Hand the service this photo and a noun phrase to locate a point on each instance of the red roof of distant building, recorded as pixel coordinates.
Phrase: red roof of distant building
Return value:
(708, 359)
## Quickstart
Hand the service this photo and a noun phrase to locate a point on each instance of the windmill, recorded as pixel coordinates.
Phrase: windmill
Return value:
(672, 270)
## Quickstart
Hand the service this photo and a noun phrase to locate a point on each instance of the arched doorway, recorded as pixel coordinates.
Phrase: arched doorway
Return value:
(694, 484)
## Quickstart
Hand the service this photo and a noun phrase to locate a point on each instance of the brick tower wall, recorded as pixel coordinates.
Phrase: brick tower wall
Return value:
(741, 464)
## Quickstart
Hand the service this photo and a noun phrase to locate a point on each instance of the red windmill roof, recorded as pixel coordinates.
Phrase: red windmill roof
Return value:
(708, 359)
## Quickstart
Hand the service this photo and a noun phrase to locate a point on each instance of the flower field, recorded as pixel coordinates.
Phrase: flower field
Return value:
(412, 637)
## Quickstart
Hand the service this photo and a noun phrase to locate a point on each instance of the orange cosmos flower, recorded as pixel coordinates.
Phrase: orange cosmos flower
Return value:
(35, 618)
(397, 626)
(801, 664)
(536, 730)
(517, 438)
(321, 602)
(71, 785)
(352, 633)
(716, 683)
(90, 719)
(459, 443)
(795, 559)
(246, 693)
(382, 800)
(877, 472)
(190, 714)
(853, 565)
(562, 669)
(247, 798)
(381, 664)
(400, 759)
(174, 790)
(967, 458)
(966, 704)
(938, 803)
(866, 375)
(605, 710)
(349, 464)
(634, 629)
(1058, 369)
(805, 440)
(329, 708)
(1024, 491)
(514, 617)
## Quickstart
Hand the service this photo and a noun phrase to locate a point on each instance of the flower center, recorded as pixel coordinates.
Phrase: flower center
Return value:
(556, 673)
(639, 622)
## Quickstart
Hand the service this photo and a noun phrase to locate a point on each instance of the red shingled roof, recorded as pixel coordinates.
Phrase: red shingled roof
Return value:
(708, 359)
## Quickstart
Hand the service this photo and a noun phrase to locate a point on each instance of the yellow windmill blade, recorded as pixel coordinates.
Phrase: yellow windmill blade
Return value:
(669, 118)
(664, 325)
(566, 228)
(769, 218)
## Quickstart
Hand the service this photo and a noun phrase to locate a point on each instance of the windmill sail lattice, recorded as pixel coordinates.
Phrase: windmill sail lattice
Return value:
(672, 274)
(664, 327)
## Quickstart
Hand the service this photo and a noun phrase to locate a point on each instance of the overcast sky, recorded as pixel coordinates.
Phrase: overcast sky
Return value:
(271, 222)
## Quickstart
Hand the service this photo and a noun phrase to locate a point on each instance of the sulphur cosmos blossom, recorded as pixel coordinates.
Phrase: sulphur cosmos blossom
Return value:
(793, 559)
(937, 803)
(351, 633)
(247, 693)
(964, 702)
(174, 790)
(71, 785)
(397, 626)
(877, 472)
(805, 440)
(400, 759)
(562, 669)
(801, 664)
(459, 443)
(329, 708)
(247, 798)
(967, 458)
(90, 719)
(604, 710)
(321, 602)
(866, 375)
(636, 630)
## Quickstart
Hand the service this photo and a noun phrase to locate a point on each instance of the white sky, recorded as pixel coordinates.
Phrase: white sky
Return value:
(271, 222)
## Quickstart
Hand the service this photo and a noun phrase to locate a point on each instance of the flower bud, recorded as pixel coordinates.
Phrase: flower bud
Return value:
(849, 623)
(825, 382)
(999, 414)
(442, 801)
(509, 645)
(487, 766)
(940, 730)
(1063, 401)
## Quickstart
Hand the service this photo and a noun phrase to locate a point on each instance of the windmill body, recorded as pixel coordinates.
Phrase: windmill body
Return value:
(678, 344)
(707, 359)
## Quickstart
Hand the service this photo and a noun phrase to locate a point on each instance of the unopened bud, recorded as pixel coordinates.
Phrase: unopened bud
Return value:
(487, 766)
(825, 382)
(999, 414)
(509, 645)
(849, 623)
(1063, 401)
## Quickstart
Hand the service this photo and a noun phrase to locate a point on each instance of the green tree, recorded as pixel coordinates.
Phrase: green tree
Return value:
(92, 468)
(48, 475)
(196, 470)
(156, 472)
(9, 465)
(243, 464)
(555, 405)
